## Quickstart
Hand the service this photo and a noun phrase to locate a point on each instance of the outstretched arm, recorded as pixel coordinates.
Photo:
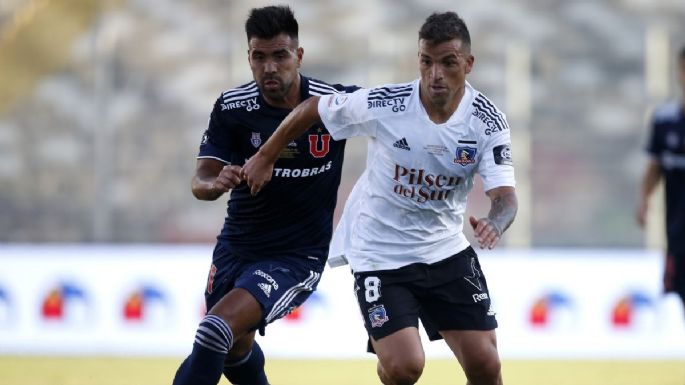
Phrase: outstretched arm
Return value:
(503, 207)
(258, 169)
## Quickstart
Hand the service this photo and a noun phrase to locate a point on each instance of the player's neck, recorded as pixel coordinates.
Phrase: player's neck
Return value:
(290, 100)
(441, 113)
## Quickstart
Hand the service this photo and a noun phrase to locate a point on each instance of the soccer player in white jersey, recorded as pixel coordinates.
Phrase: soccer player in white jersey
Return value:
(401, 229)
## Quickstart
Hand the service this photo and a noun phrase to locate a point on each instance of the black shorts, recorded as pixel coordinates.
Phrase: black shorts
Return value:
(447, 295)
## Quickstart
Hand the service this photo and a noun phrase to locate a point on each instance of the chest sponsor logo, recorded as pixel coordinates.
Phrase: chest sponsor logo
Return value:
(465, 155)
(422, 186)
(256, 139)
(301, 172)
(248, 104)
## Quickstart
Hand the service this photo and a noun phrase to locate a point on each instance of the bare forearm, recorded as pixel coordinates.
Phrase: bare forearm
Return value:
(650, 179)
(203, 189)
(294, 125)
(503, 210)
(213, 178)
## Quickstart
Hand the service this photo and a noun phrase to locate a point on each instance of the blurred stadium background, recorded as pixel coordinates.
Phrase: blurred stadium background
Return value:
(103, 104)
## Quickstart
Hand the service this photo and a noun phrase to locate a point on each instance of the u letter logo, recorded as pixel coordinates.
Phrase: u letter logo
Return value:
(319, 150)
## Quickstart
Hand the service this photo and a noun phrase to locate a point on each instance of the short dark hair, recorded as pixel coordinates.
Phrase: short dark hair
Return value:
(442, 27)
(269, 22)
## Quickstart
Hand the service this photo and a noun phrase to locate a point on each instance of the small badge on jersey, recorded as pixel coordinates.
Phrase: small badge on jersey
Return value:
(465, 155)
(502, 154)
(256, 139)
(339, 100)
(319, 144)
(378, 316)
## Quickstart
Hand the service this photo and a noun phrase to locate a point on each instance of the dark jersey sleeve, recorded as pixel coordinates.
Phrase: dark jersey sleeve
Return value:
(654, 146)
(346, 89)
(217, 140)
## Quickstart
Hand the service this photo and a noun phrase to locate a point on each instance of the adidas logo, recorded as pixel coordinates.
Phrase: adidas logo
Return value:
(402, 143)
(266, 288)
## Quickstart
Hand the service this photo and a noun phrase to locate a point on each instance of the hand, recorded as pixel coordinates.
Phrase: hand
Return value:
(485, 230)
(228, 178)
(257, 172)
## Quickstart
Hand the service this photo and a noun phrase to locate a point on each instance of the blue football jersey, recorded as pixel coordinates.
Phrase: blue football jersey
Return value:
(292, 214)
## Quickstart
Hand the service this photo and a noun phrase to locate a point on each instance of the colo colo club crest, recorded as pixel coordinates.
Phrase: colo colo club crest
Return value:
(465, 155)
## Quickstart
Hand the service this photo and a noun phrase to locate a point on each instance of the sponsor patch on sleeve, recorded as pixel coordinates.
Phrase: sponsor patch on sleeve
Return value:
(502, 154)
(336, 101)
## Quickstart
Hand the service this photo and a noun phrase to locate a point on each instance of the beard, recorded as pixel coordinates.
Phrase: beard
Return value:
(275, 91)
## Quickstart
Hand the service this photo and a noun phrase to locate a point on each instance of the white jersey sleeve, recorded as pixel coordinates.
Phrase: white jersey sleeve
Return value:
(347, 115)
(496, 167)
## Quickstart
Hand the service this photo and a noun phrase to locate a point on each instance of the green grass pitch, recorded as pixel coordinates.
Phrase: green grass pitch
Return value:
(147, 371)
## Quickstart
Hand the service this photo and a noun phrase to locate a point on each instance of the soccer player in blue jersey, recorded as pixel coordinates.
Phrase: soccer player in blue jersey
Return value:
(402, 227)
(666, 148)
(273, 247)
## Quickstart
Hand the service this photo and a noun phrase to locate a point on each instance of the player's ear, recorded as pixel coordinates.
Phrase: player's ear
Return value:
(470, 59)
(300, 53)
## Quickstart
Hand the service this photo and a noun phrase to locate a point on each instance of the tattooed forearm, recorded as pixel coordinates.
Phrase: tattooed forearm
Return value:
(503, 210)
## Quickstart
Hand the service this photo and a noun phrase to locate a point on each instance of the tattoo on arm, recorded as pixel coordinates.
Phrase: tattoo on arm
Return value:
(503, 210)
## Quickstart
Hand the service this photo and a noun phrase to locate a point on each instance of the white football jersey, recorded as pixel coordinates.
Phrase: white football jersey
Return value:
(408, 206)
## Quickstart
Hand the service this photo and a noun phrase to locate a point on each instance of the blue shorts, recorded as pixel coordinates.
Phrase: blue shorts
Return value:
(280, 284)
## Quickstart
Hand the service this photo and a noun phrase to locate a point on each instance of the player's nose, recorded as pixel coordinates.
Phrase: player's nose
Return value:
(270, 66)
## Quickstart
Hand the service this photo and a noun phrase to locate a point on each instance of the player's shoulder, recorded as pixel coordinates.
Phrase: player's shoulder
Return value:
(393, 97)
(484, 115)
(667, 112)
(243, 97)
(319, 87)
